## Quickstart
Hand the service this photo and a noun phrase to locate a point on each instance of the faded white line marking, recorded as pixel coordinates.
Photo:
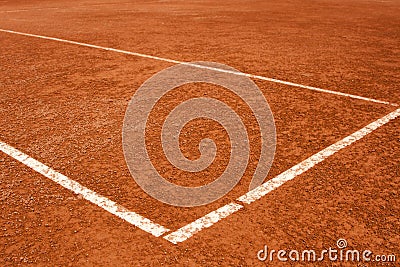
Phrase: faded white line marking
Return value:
(14, 11)
(200, 66)
(307, 164)
(31, 9)
(206, 221)
(101, 201)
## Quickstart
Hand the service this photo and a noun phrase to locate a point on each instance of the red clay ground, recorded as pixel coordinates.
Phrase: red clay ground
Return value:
(64, 105)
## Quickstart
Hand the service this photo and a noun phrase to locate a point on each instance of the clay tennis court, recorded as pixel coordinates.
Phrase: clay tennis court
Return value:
(329, 70)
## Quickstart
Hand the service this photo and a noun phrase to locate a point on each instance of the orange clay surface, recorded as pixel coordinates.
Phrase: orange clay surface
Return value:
(64, 105)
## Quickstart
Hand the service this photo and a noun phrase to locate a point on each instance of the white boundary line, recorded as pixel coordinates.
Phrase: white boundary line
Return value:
(213, 217)
(200, 66)
(86, 7)
(14, 11)
(208, 220)
(26, 10)
(101, 201)
(310, 162)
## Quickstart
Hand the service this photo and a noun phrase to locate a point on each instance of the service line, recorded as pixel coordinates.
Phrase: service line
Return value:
(310, 162)
(213, 217)
(208, 220)
(101, 201)
(205, 67)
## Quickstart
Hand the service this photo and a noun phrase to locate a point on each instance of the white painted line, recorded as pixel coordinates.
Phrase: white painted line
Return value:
(200, 66)
(213, 217)
(307, 164)
(206, 221)
(324, 90)
(85, 7)
(103, 202)
(14, 11)
(26, 10)
(93, 46)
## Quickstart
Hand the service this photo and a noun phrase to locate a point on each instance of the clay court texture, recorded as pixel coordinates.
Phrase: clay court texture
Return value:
(329, 70)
